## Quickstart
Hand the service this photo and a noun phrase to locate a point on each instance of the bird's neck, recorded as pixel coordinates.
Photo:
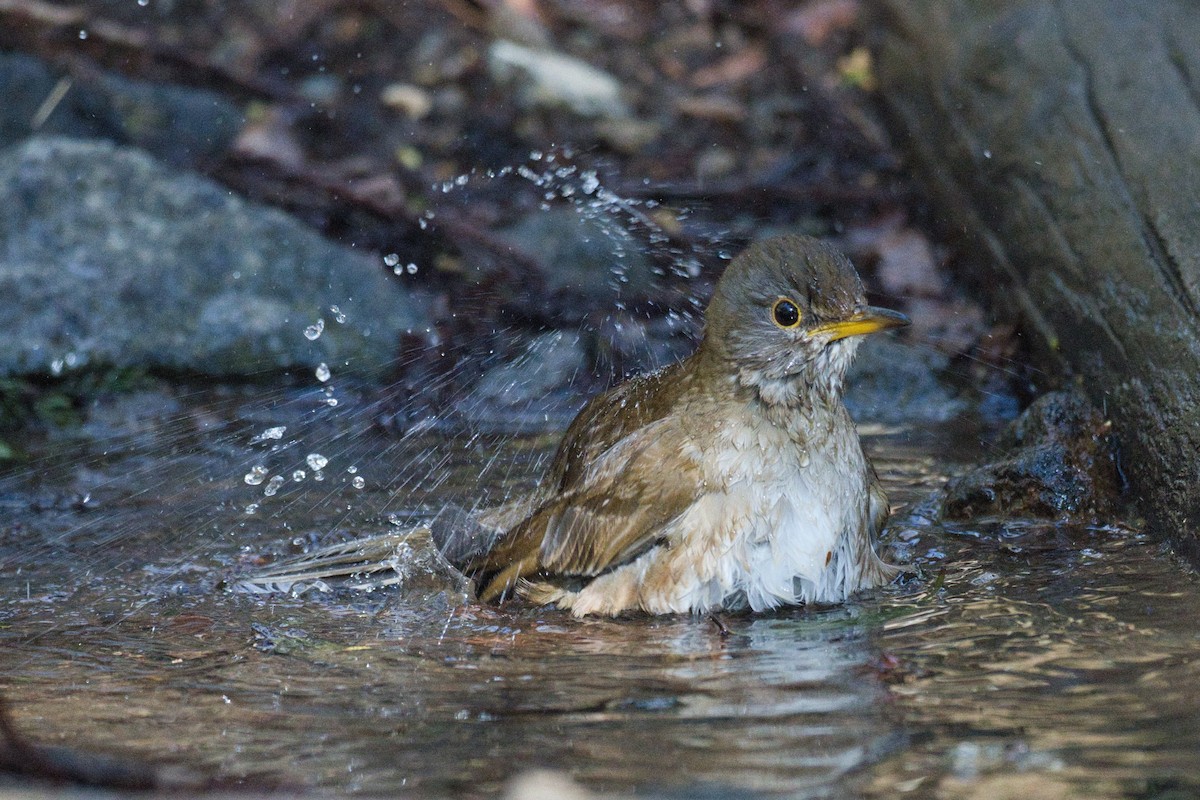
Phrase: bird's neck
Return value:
(806, 403)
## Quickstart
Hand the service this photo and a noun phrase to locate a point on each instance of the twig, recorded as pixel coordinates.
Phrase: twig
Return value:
(64, 765)
(751, 191)
(455, 226)
(19, 756)
(46, 29)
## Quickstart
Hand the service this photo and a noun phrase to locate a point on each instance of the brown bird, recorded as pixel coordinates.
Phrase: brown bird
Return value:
(732, 479)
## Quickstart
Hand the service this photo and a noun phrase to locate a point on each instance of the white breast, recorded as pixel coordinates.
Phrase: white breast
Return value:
(777, 515)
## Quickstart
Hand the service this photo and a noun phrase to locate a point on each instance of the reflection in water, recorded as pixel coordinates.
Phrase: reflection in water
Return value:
(1045, 659)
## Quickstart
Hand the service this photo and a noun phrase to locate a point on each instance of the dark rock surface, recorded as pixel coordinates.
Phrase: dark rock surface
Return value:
(589, 262)
(1060, 139)
(179, 125)
(109, 258)
(1058, 462)
(892, 382)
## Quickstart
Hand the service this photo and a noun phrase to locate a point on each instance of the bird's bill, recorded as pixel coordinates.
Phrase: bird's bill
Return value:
(871, 320)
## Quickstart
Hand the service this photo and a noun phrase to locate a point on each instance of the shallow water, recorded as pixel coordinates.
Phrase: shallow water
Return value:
(1019, 659)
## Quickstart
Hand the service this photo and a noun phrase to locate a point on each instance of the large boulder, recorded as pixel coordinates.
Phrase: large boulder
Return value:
(1061, 139)
(109, 258)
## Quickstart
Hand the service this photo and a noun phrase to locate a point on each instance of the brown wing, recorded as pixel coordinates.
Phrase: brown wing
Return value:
(619, 508)
(641, 401)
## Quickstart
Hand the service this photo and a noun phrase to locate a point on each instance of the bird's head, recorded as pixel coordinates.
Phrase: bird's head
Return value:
(786, 316)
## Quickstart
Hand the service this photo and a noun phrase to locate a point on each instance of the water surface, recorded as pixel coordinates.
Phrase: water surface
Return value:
(1020, 659)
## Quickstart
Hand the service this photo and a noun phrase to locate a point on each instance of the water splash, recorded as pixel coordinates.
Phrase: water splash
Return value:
(314, 331)
(256, 475)
(270, 434)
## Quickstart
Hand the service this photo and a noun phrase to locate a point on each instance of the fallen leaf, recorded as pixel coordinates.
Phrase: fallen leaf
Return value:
(816, 21)
(734, 69)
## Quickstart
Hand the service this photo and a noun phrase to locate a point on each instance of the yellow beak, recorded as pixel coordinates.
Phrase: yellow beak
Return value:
(869, 321)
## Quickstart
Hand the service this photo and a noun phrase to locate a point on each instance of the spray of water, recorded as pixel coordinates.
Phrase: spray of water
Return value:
(288, 470)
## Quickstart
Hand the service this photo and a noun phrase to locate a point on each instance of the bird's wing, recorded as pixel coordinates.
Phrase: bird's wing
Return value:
(617, 511)
(878, 506)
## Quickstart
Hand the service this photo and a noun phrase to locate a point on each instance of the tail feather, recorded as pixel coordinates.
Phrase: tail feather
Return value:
(360, 562)
(460, 537)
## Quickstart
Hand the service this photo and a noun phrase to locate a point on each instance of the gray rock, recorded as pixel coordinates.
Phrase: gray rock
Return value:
(589, 261)
(180, 125)
(1058, 461)
(533, 392)
(108, 257)
(551, 362)
(547, 78)
(891, 382)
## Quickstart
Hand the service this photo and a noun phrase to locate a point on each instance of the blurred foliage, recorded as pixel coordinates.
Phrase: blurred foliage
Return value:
(56, 402)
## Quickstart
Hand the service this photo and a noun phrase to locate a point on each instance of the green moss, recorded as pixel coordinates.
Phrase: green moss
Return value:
(60, 401)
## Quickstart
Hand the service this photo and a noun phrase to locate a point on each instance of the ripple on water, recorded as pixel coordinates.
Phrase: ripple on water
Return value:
(1021, 657)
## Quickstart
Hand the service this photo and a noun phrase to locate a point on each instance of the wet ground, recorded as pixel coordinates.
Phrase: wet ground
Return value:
(1020, 659)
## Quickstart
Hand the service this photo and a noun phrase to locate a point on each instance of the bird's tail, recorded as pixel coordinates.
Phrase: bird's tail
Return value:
(364, 564)
(374, 562)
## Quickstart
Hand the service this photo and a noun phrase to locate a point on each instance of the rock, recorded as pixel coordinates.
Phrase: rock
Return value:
(109, 258)
(1059, 462)
(1047, 134)
(180, 125)
(545, 785)
(589, 262)
(550, 362)
(548, 78)
(891, 382)
(533, 392)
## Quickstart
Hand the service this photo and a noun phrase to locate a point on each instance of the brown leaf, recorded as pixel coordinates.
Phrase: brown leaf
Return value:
(907, 265)
(816, 21)
(734, 69)
(714, 107)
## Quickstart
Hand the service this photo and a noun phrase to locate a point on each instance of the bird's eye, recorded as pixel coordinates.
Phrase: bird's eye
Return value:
(785, 313)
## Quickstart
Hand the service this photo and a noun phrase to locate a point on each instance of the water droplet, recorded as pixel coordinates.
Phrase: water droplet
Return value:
(391, 259)
(358, 482)
(318, 476)
(804, 459)
(143, 3)
(339, 316)
(56, 366)
(313, 332)
(269, 434)
(83, 34)
(256, 475)
(316, 461)
(331, 402)
(352, 469)
(299, 475)
(252, 508)
(412, 269)
(273, 486)
(323, 373)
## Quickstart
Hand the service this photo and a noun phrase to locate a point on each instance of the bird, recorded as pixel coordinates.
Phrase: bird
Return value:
(732, 480)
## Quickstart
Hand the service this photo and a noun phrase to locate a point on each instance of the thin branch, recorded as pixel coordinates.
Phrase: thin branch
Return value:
(53, 32)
